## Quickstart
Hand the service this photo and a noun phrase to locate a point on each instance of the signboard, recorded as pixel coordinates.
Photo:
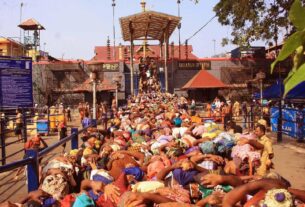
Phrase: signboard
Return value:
(110, 66)
(16, 82)
(289, 125)
(206, 65)
(194, 65)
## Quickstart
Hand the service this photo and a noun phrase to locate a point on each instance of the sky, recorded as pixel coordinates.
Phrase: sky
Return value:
(75, 27)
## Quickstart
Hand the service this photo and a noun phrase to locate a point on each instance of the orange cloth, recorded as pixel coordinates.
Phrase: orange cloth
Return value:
(119, 164)
(166, 124)
(82, 114)
(35, 141)
(256, 199)
(209, 110)
(196, 119)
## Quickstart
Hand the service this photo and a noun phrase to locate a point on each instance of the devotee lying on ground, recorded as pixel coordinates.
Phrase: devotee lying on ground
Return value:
(154, 153)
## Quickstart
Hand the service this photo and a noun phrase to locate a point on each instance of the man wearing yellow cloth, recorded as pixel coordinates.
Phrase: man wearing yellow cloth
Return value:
(264, 144)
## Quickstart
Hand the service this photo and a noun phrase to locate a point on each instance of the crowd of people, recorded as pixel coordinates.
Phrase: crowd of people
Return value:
(155, 152)
(148, 72)
(245, 112)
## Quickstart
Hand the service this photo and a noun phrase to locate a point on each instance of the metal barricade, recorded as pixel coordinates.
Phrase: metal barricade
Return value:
(32, 157)
(4, 131)
(28, 119)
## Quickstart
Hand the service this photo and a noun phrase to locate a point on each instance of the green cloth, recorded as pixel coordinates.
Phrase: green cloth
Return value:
(83, 201)
(138, 138)
(208, 191)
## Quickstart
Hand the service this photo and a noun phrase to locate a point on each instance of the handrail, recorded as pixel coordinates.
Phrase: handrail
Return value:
(74, 144)
(74, 132)
(33, 156)
(11, 155)
(27, 118)
(16, 164)
(55, 145)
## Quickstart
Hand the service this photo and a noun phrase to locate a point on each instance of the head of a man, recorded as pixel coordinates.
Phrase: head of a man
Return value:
(260, 130)
(36, 141)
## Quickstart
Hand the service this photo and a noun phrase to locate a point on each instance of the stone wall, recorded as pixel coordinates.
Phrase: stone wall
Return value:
(43, 83)
(51, 81)
(229, 71)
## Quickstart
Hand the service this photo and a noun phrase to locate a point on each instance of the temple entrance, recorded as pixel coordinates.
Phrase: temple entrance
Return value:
(148, 74)
(147, 26)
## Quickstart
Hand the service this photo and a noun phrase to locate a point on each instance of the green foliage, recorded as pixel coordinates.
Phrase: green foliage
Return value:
(295, 15)
(297, 78)
(294, 45)
(243, 16)
(224, 42)
(261, 20)
(254, 19)
(291, 44)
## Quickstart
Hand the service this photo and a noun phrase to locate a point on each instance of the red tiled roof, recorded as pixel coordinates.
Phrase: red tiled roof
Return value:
(154, 51)
(105, 85)
(203, 79)
(58, 61)
(31, 24)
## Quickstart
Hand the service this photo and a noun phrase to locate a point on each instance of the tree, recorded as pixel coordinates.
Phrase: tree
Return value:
(254, 19)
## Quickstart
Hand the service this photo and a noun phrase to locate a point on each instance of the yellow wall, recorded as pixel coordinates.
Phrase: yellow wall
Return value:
(10, 48)
(33, 54)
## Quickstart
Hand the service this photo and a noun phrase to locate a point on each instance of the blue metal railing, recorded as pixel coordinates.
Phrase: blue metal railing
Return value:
(26, 119)
(16, 164)
(32, 157)
(4, 131)
(72, 137)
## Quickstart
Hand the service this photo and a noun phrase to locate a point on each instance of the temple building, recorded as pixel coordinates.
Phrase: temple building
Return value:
(69, 81)
(129, 69)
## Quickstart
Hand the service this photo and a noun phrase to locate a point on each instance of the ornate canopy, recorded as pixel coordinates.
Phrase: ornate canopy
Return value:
(148, 25)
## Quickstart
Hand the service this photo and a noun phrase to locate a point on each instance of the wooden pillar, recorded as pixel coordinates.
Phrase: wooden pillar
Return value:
(161, 50)
(131, 66)
(165, 59)
(131, 59)
(144, 49)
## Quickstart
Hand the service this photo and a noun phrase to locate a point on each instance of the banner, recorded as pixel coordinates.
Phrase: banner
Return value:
(289, 125)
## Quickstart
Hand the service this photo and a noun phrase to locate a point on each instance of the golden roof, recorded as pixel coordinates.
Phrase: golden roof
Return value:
(149, 25)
